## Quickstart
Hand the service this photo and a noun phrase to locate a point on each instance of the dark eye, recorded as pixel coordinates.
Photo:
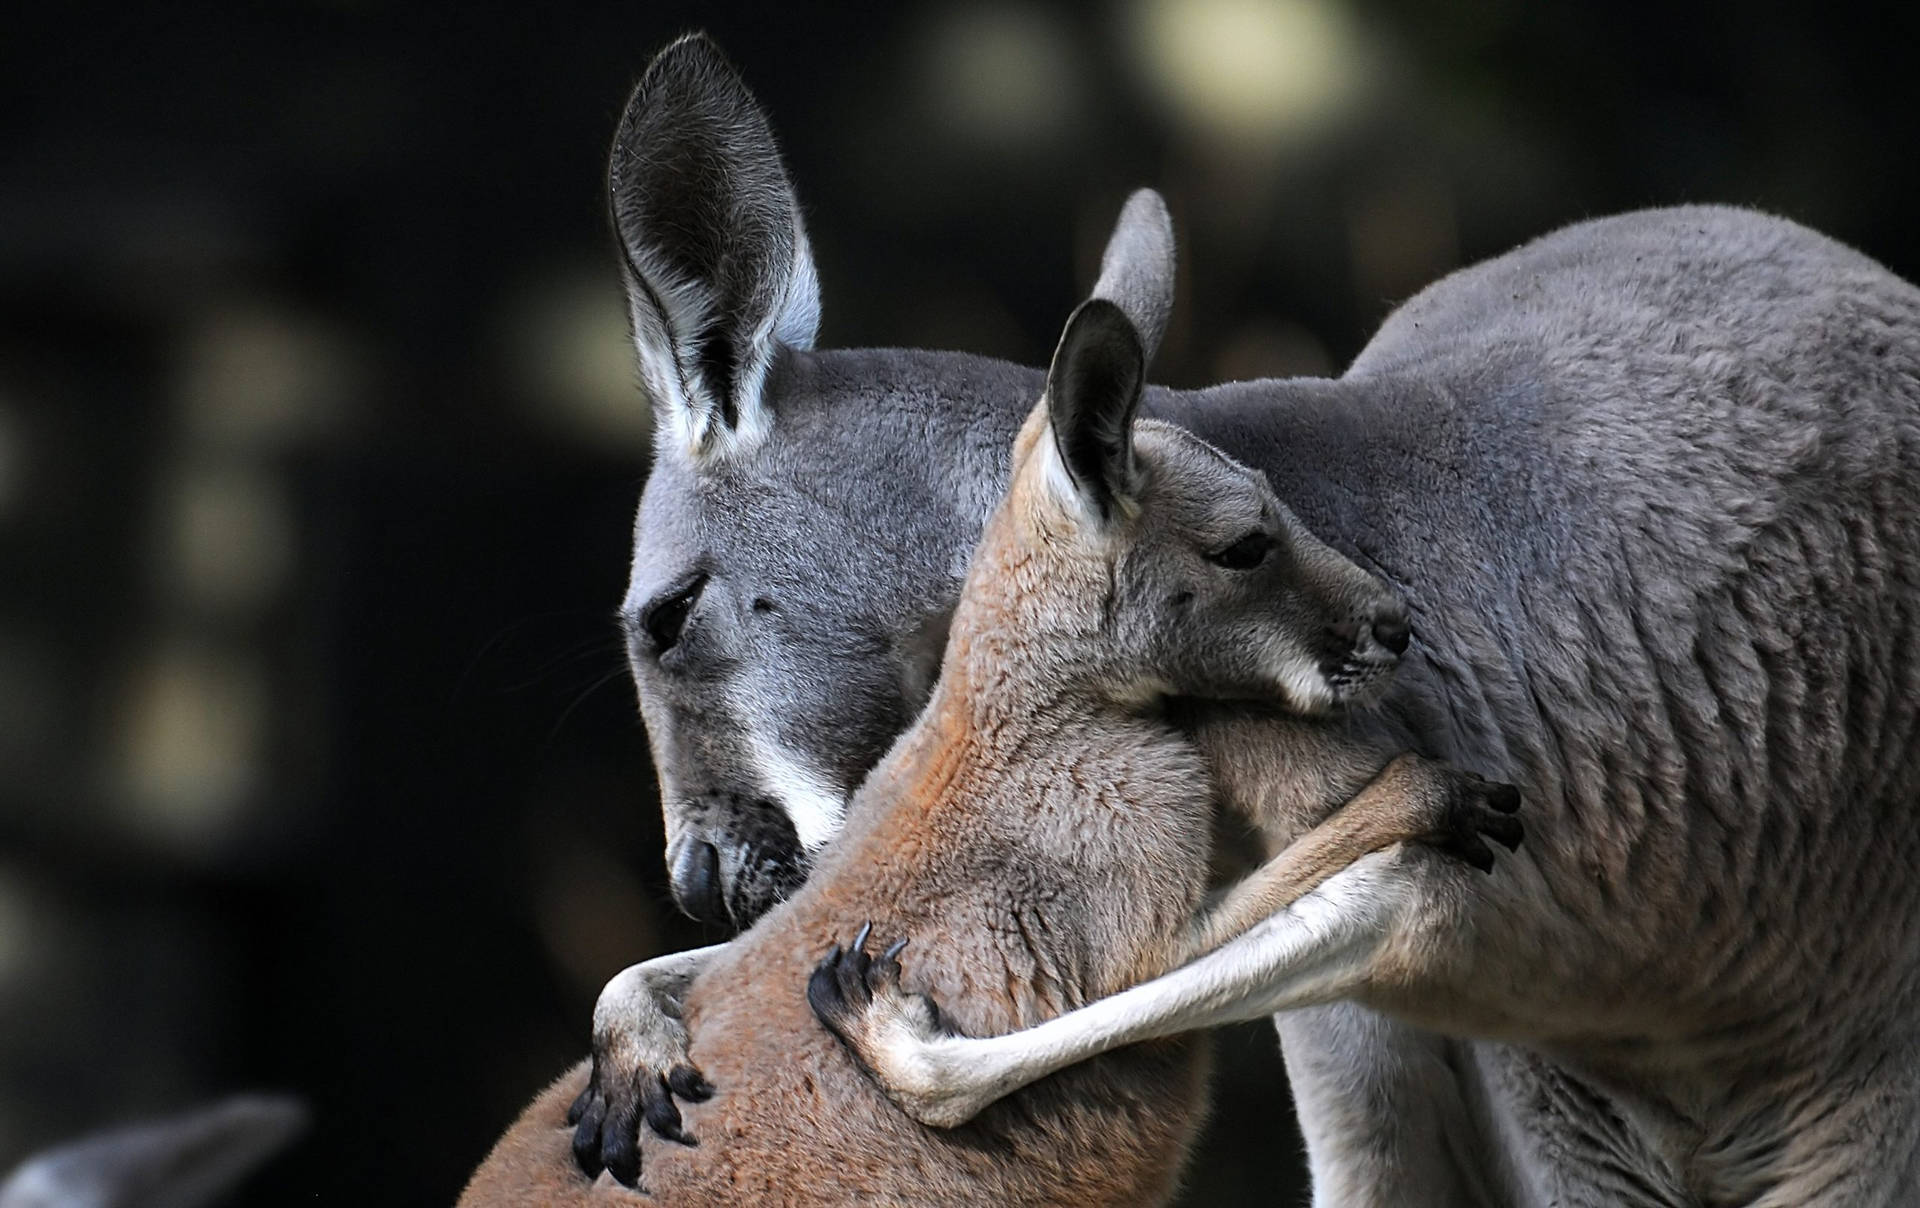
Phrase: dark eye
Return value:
(1244, 554)
(667, 616)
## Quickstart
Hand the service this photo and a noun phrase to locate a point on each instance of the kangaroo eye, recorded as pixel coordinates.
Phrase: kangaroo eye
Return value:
(1244, 554)
(667, 616)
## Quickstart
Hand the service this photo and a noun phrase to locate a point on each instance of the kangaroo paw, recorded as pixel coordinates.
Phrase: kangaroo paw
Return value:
(1476, 810)
(893, 1035)
(640, 1068)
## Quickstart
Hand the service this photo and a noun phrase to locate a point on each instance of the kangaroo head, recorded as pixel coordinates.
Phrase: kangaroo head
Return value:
(809, 514)
(807, 518)
(1144, 563)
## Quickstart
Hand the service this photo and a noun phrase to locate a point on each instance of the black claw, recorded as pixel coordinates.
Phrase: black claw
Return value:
(620, 1143)
(660, 1112)
(1505, 798)
(624, 1166)
(823, 992)
(686, 1082)
(1475, 852)
(886, 968)
(851, 977)
(586, 1138)
(1505, 830)
(580, 1102)
(860, 937)
(893, 951)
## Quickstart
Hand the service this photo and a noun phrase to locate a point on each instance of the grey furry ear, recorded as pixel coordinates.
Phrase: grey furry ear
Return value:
(1093, 394)
(1137, 269)
(717, 267)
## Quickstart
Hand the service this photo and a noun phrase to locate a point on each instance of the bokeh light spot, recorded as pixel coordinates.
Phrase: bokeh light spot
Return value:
(193, 729)
(1252, 70)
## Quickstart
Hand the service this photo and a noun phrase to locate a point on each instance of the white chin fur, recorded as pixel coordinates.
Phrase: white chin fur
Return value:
(1307, 691)
(815, 809)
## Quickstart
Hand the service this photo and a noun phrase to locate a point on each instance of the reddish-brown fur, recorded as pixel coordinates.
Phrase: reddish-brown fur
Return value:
(935, 850)
(1043, 847)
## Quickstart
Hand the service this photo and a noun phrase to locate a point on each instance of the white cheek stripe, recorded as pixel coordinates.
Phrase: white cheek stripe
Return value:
(815, 808)
(1307, 689)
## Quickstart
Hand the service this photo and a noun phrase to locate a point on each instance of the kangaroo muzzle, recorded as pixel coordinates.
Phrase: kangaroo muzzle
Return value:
(734, 857)
(1361, 650)
(695, 875)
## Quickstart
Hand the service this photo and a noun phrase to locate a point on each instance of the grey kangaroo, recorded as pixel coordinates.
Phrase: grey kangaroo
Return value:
(1649, 487)
(1045, 824)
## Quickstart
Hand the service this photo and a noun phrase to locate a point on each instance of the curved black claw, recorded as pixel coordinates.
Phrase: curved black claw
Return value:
(589, 1110)
(837, 990)
(688, 1084)
(619, 1139)
(1480, 810)
(608, 1114)
(845, 981)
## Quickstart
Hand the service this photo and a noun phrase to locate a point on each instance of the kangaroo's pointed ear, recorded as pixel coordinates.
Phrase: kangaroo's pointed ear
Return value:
(1093, 394)
(718, 271)
(1137, 269)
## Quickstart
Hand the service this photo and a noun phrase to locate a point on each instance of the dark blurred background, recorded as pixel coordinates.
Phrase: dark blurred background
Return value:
(319, 447)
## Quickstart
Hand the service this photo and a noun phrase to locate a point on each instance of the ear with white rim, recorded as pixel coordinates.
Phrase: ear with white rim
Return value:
(1137, 269)
(1093, 395)
(718, 272)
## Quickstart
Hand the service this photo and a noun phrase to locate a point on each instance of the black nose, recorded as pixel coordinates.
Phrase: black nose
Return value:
(696, 883)
(1393, 632)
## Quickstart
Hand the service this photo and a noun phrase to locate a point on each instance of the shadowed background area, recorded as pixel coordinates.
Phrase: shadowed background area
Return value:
(319, 444)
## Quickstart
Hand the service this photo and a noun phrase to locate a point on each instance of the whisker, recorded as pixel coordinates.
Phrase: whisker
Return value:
(579, 652)
(561, 721)
(514, 628)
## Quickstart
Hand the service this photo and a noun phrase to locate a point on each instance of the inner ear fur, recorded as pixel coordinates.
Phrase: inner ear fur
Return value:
(718, 271)
(1093, 394)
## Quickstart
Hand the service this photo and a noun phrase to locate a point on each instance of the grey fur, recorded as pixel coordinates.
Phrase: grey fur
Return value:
(1042, 827)
(1136, 270)
(1648, 484)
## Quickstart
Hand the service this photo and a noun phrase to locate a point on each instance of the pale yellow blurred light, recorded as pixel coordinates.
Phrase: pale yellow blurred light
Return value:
(571, 354)
(193, 727)
(229, 540)
(1003, 74)
(254, 377)
(1265, 70)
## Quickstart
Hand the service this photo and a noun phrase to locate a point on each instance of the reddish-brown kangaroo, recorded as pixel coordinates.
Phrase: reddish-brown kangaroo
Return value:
(1042, 831)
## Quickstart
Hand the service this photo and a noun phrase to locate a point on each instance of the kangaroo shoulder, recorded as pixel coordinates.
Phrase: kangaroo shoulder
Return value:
(1711, 274)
